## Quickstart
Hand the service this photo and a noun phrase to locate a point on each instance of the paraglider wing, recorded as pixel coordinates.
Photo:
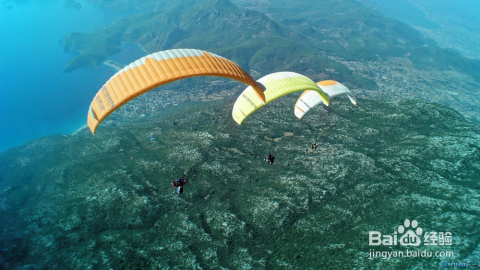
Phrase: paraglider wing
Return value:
(276, 85)
(310, 99)
(158, 69)
(305, 102)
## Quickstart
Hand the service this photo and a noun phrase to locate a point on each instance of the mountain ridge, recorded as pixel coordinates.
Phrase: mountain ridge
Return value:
(342, 41)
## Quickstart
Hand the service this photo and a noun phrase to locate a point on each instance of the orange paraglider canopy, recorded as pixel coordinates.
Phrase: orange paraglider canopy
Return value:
(158, 69)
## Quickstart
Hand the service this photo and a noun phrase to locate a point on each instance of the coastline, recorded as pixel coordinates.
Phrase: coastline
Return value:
(79, 129)
(116, 66)
(126, 55)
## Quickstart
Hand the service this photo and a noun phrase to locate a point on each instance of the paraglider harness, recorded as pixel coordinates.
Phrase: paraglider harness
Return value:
(179, 183)
(270, 158)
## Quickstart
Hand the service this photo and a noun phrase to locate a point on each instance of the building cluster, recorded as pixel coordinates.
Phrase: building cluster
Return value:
(396, 78)
(152, 101)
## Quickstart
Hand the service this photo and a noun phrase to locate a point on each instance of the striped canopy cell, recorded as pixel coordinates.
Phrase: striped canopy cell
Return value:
(276, 85)
(310, 99)
(160, 68)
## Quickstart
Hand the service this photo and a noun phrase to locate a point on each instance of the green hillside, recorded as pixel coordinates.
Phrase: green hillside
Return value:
(105, 201)
(247, 37)
(343, 28)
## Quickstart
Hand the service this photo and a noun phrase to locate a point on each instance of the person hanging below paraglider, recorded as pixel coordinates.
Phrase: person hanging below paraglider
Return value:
(270, 158)
(314, 146)
(179, 183)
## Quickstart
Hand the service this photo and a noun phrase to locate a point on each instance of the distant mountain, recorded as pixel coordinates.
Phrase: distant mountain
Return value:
(339, 40)
(354, 32)
(346, 29)
(247, 37)
(451, 24)
(342, 28)
(105, 201)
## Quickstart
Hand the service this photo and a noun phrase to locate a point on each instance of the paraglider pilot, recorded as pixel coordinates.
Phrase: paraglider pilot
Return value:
(179, 183)
(270, 158)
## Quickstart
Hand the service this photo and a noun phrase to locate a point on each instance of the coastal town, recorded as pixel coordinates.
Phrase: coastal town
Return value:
(153, 101)
(398, 79)
(395, 77)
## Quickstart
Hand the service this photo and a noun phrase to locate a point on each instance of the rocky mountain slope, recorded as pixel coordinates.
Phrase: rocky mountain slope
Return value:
(105, 201)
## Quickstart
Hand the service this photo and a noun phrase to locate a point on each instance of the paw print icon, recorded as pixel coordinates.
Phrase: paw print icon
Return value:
(410, 238)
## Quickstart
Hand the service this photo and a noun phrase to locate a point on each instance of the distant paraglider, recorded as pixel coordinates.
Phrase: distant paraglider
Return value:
(276, 85)
(160, 68)
(179, 183)
(270, 158)
(310, 99)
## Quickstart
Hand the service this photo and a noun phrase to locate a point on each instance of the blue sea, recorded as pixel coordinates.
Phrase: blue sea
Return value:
(38, 99)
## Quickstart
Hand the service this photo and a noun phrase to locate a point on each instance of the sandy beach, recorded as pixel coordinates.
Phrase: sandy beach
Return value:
(113, 65)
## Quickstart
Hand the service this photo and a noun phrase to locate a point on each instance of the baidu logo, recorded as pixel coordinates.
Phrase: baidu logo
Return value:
(409, 234)
(410, 238)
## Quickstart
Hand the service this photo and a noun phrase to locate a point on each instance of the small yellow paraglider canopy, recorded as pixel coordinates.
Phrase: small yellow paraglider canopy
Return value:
(276, 85)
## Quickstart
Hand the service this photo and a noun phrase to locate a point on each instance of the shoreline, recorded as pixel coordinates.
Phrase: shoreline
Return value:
(79, 129)
(116, 66)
